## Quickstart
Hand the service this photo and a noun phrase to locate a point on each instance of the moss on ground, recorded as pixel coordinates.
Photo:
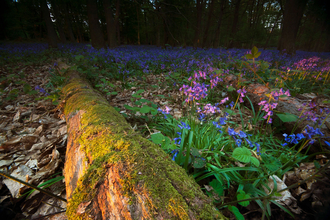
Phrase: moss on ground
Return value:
(107, 138)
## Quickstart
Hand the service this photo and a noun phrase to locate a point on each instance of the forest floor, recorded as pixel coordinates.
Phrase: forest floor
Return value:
(33, 142)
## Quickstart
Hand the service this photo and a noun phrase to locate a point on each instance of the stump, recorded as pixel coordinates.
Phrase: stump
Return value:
(111, 172)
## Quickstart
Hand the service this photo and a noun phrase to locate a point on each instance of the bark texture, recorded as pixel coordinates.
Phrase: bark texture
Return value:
(51, 34)
(94, 25)
(111, 172)
(111, 26)
(293, 13)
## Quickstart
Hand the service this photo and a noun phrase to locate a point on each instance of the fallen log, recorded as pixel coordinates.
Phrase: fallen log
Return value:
(111, 172)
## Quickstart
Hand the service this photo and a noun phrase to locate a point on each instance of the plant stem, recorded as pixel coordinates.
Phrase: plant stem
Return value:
(33, 187)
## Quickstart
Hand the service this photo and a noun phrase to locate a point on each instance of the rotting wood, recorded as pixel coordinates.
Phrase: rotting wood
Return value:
(111, 172)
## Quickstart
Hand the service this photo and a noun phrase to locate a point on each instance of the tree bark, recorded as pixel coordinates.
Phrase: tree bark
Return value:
(293, 12)
(94, 25)
(59, 21)
(232, 42)
(210, 13)
(117, 21)
(51, 34)
(199, 8)
(68, 24)
(216, 40)
(111, 172)
(111, 27)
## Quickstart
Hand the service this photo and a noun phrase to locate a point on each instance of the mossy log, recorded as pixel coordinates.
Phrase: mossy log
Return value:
(111, 172)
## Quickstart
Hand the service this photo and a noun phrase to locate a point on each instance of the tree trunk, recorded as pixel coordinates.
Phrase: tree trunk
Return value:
(293, 12)
(198, 23)
(59, 23)
(117, 21)
(111, 172)
(111, 27)
(94, 25)
(232, 41)
(206, 32)
(216, 40)
(68, 24)
(51, 34)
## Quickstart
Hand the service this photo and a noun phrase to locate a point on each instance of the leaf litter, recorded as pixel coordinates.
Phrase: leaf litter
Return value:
(33, 140)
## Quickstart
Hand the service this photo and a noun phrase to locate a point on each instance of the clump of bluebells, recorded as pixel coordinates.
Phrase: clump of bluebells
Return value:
(38, 88)
(309, 133)
(240, 136)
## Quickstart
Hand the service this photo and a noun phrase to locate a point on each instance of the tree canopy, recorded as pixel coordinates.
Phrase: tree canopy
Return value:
(285, 24)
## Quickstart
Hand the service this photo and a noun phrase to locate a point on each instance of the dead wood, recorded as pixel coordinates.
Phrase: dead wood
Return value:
(111, 172)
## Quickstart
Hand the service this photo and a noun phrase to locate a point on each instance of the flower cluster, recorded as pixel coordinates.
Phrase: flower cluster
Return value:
(292, 139)
(208, 109)
(222, 121)
(182, 126)
(165, 112)
(307, 64)
(38, 88)
(238, 138)
(241, 93)
(308, 133)
(196, 92)
(269, 106)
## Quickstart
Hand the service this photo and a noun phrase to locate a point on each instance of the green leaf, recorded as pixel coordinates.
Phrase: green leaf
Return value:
(255, 161)
(242, 154)
(129, 108)
(153, 111)
(287, 117)
(242, 196)
(136, 96)
(145, 109)
(154, 105)
(231, 88)
(144, 100)
(27, 88)
(254, 51)
(217, 186)
(199, 163)
(236, 212)
(257, 54)
(158, 138)
(195, 152)
(140, 91)
(249, 56)
(79, 57)
(117, 109)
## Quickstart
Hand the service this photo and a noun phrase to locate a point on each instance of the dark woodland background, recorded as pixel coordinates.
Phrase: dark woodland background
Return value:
(287, 25)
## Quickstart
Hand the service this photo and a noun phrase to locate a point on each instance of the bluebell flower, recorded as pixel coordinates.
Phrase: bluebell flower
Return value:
(327, 143)
(231, 132)
(184, 125)
(176, 151)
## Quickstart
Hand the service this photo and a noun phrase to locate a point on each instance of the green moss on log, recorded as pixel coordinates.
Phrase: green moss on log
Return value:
(107, 138)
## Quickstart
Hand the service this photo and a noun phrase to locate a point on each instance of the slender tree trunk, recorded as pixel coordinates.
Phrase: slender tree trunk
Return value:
(117, 21)
(59, 23)
(52, 37)
(272, 30)
(216, 40)
(293, 12)
(210, 13)
(198, 23)
(111, 27)
(234, 28)
(68, 24)
(94, 25)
